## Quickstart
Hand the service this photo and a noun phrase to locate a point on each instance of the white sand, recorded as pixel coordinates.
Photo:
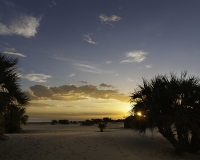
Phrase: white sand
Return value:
(74, 142)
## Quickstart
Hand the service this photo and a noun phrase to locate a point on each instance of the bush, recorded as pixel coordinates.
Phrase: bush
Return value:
(64, 121)
(102, 126)
(53, 122)
(128, 122)
(87, 123)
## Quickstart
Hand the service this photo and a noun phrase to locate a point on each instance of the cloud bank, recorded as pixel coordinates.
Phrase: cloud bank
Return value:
(75, 93)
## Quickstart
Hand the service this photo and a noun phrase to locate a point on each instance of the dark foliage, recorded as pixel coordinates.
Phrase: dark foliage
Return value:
(73, 122)
(64, 121)
(53, 122)
(102, 126)
(87, 123)
(128, 122)
(171, 105)
(13, 100)
(107, 119)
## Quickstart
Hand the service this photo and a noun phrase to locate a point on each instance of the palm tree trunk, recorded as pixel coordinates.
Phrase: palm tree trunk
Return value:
(195, 140)
(183, 139)
(2, 130)
(170, 137)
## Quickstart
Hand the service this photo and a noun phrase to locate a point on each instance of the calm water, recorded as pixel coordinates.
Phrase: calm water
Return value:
(38, 120)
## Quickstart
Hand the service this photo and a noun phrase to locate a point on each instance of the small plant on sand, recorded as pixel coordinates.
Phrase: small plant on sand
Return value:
(102, 126)
(53, 122)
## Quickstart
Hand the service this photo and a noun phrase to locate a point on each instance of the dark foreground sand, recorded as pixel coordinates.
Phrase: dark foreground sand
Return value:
(74, 142)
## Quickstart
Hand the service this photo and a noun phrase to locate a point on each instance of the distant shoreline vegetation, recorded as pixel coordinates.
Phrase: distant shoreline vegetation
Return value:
(86, 122)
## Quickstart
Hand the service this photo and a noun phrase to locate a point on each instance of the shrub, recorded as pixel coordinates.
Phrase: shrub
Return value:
(64, 121)
(102, 126)
(53, 122)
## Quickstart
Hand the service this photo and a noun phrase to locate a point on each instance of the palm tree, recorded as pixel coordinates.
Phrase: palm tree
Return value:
(13, 100)
(172, 105)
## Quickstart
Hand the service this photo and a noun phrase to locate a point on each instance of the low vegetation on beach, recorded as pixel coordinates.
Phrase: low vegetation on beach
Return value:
(87, 122)
(102, 126)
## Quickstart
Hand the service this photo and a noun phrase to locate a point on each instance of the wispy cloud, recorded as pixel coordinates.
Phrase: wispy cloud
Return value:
(36, 77)
(13, 52)
(130, 80)
(145, 66)
(148, 66)
(62, 58)
(20, 24)
(41, 105)
(103, 85)
(82, 66)
(82, 81)
(87, 68)
(8, 3)
(78, 106)
(52, 4)
(135, 56)
(107, 19)
(108, 62)
(71, 75)
(88, 38)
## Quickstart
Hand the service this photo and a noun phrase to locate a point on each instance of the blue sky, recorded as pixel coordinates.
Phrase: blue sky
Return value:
(83, 58)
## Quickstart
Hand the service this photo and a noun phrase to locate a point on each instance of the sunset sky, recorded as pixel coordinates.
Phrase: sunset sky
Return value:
(82, 59)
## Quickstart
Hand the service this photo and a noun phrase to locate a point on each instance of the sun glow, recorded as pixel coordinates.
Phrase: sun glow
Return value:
(139, 113)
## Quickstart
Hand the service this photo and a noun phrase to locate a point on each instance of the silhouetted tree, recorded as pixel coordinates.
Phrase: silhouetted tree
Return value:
(13, 100)
(172, 105)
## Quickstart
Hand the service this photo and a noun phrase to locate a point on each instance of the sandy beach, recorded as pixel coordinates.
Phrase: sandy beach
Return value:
(75, 142)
